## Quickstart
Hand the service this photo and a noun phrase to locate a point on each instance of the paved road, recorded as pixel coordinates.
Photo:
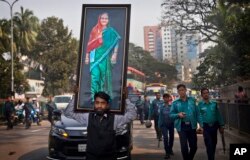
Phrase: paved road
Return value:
(24, 144)
(146, 146)
(31, 144)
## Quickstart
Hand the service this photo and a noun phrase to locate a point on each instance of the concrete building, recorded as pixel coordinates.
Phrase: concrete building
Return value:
(153, 41)
(169, 44)
(188, 50)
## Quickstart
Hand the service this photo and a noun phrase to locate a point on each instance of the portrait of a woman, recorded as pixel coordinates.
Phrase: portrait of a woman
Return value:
(101, 55)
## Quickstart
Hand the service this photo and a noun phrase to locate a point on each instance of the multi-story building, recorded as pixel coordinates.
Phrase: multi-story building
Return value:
(188, 50)
(153, 41)
(169, 44)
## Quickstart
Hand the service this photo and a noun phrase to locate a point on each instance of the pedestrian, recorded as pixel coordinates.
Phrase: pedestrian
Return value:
(101, 126)
(212, 121)
(166, 124)
(185, 114)
(8, 112)
(140, 109)
(51, 106)
(154, 114)
(146, 106)
(241, 96)
(28, 108)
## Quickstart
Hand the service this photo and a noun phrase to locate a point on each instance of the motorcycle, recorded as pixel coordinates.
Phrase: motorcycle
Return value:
(33, 117)
(19, 117)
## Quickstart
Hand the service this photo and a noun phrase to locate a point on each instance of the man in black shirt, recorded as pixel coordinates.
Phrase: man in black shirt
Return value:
(102, 126)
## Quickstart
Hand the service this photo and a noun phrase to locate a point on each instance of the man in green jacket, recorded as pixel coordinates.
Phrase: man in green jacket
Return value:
(212, 121)
(186, 115)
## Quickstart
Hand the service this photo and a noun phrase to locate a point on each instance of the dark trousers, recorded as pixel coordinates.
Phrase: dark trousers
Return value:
(141, 115)
(188, 137)
(210, 139)
(157, 129)
(168, 137)
(146, 115)
(9, 121)
(50, 118)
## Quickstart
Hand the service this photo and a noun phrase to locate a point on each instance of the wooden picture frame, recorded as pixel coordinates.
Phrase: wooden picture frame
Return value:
(103, 55)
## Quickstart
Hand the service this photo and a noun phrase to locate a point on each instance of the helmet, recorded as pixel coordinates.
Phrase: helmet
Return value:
(148, 124)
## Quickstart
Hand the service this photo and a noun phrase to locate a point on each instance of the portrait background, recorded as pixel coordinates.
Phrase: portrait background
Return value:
(119, 20)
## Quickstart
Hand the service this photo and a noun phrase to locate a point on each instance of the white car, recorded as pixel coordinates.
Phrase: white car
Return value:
(62, 101)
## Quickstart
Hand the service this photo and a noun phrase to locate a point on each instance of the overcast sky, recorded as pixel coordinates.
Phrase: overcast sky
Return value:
(143, 13)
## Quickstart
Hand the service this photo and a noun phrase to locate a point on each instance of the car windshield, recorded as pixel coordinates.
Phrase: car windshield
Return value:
(61, 99)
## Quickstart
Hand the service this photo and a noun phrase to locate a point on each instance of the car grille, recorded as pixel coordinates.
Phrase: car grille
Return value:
(73, 151)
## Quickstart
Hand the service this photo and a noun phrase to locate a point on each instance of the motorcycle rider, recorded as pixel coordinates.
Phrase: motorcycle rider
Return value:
(51, 106)
(28, 108)
(19, 111)
(36, 107)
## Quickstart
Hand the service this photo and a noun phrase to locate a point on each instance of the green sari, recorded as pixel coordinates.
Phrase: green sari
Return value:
(100, 63)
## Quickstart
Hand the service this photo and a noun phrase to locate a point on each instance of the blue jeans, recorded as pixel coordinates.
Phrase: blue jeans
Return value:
(188, 137)
(210, 139)
(168, 137)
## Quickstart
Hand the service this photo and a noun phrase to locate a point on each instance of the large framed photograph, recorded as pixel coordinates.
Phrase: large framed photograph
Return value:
(103, 55)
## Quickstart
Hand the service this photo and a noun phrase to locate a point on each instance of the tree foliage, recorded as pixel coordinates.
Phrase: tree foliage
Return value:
(26, 28)
(56, 50)
(154, 70)
(225, 22)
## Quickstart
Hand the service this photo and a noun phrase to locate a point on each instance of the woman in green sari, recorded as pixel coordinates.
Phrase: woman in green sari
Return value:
(101, 54)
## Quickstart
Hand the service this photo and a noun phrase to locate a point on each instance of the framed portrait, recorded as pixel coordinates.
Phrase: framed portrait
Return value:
(103, 55)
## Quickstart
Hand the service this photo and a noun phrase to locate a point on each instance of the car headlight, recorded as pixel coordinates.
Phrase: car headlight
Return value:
(59, 131)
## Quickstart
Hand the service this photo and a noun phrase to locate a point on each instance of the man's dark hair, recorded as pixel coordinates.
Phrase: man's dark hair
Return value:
(157, 93)
(240, 88)
(204, 89)
(181, 85)
(102, 95)
(166, 95)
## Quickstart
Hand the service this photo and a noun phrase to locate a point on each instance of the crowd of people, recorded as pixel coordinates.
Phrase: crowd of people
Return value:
(26, 111)
(184, 114)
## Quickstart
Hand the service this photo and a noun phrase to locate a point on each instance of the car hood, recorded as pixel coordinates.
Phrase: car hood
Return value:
(66, 122)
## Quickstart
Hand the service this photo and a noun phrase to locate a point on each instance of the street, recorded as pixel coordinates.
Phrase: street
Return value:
(31, 144)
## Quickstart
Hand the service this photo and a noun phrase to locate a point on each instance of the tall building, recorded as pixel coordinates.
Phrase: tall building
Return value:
(153, 41)
(188, 50)
(169, 44)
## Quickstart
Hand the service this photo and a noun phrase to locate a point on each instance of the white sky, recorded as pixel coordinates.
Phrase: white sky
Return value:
(143, 13)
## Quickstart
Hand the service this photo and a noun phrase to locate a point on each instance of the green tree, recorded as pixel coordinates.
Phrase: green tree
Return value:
(4, 35)
(56, 50)
(154, 70)
(5, 65)
(217, 68)
(26, 28)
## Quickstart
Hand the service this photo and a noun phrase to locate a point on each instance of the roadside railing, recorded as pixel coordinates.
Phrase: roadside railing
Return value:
(236, 115)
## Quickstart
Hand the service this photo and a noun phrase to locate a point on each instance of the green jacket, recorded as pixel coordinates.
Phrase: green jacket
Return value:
(192, 112)
(209, 112)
